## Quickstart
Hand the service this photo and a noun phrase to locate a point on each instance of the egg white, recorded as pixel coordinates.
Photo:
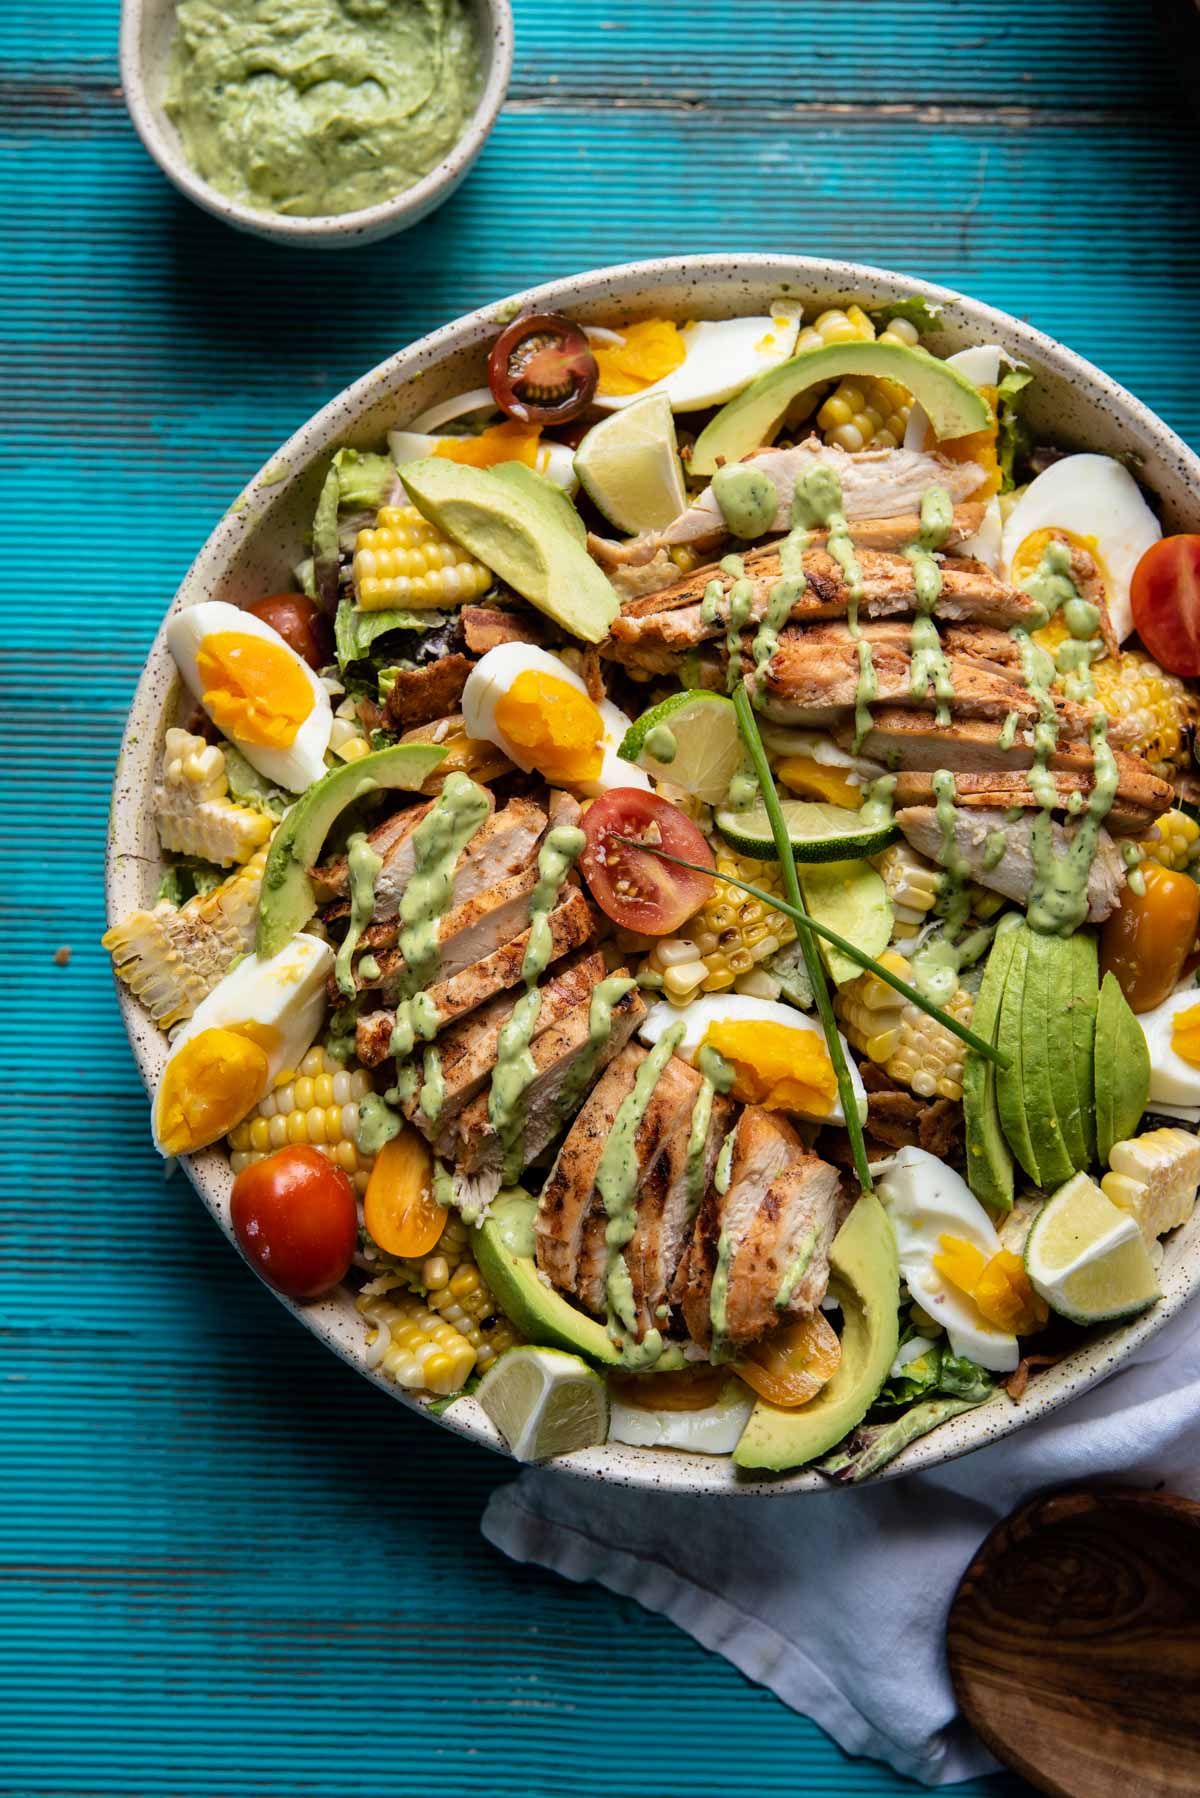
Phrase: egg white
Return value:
(981, 364)
(926, 1200)
(1173, 1081)
(1091, 496)
(494, 674)
(554, 460)
(714, 1431)
(286, 993)
(722, 356)
(303, 761)
(716, 1008)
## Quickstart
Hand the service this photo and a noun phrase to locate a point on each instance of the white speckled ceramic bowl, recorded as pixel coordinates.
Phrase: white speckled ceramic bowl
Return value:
(254, 547)
(147, 29)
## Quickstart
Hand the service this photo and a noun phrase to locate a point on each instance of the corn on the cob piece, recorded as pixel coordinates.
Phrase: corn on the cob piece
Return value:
(1132, 688)
(465, 1300)
(912, 883)
(173, 956)
(861, 414)
(420, 1350)
(910, 1046)
(192, 807)
(1155, 1177)
(406, 561)
(1177, 845)
(729, 935)
(317, 1104)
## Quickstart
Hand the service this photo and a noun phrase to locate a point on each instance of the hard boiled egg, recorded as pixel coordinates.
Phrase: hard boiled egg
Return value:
(258, 692)
(779, 1056)
(1095, 503)
(535, 708)
(509, 442)
(714, 1430)
(256, 1024)
(925, 1201)
(1172, 1033)
(701, 364)
(981, 364)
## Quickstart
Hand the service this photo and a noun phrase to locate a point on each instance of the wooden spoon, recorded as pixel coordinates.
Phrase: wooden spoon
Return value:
(1074, 1644)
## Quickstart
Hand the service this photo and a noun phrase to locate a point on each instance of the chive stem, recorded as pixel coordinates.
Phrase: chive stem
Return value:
(748, 725)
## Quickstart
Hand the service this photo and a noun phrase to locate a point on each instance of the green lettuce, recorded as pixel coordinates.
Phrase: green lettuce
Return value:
(872, 1445)
(919, 311)
(354, 632)
(936, 1370)
(358, 481)
(248, 787)
(188, 878)
(1014, 437)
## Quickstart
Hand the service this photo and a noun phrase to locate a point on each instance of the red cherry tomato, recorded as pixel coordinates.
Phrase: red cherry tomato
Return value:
(1166, 603)
(295, 1217)
(638, 890)
(301, 624)
(541, 370)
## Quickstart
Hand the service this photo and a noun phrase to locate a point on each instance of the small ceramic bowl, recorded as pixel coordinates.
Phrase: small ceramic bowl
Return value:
(255, 546)
(147, 29)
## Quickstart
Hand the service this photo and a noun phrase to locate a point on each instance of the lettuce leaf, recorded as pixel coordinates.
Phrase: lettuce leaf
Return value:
(187, 878)
(937, 1370)
(872, 1445)
(1014, 437)
(248, 787)
(354, 632)
(919, 311)
(358, 481)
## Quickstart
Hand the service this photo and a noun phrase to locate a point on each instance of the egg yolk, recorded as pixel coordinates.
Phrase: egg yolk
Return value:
(253, 690)
(209, 1085)
(775, 1065)
(652, 350)
(511, 442)
(1031, 549)
(1185, 1035)
(551, 725)
(817, 780)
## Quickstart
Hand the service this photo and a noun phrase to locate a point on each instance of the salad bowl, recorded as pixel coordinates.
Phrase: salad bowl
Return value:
(255, 547)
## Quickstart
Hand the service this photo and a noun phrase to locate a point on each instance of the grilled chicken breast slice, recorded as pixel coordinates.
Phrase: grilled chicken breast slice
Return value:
(469, 933)
(784, 1255)
(1013, 874)
(817, 684)
(566, 1198)
(763, 1146)
(571, 925)
(667, 1206)
(503, 845)
(1128, 815)
(388, 839)
(473, 1145)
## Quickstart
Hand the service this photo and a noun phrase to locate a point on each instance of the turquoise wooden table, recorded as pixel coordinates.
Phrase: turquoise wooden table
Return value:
(229, 1566)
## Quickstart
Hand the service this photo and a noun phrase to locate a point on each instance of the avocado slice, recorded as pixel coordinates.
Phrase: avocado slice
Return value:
(865, 1281)
(955, 405)
(989, 1163)
(541, 492)
(287, 901)
(1047, 1064)
(1122, 1064)
(851, 898)
(1010, 1081)
(507, 522)
(1085, 993)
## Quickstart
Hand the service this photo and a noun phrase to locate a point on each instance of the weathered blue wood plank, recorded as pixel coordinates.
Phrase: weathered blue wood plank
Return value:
(226, 1565)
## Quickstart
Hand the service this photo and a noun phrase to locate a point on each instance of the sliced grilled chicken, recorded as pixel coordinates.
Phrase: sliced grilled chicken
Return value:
(665, 1121)
(469, 933)
(1013, 874)
(672, 619)
(876, 485)
(503, 844)
(389, 839)
(567, 1195)
(985, 645)
(571, 925)
(781, 1266)
(468, 1048)
(817, 683)
(764, 1145)
(1127, 817)
(557, 1055)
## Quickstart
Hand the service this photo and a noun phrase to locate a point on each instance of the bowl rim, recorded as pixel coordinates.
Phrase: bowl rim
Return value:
(1101, 1353)
(418, 200)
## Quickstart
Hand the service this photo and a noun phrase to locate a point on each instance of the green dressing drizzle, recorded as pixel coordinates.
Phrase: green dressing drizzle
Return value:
(818, 502)
(364, 864)
(748, 498)
(660, 744)
(929, 666)
(797, 1270)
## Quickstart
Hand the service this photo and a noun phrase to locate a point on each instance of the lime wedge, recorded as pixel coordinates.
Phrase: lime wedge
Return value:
(628, 465)
(691, 739)
(818, 832)
(545, 1402)
(1087, 1258)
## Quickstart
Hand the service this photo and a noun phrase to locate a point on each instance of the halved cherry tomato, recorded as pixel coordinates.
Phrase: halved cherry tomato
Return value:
(637, 890)
(1165, 592)
(295, 1217)
(790, 1366)
(301, 624)
(541, 369)
(1147, 940)
(400, 1211)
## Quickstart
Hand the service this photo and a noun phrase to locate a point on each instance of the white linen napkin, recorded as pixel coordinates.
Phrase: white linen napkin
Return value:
(837, 1601)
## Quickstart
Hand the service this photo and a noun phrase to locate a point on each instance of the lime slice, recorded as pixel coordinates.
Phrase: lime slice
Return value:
(628, 465)
(1087, 1258)
(818, 832)
(545, 1402)
(695, 740)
